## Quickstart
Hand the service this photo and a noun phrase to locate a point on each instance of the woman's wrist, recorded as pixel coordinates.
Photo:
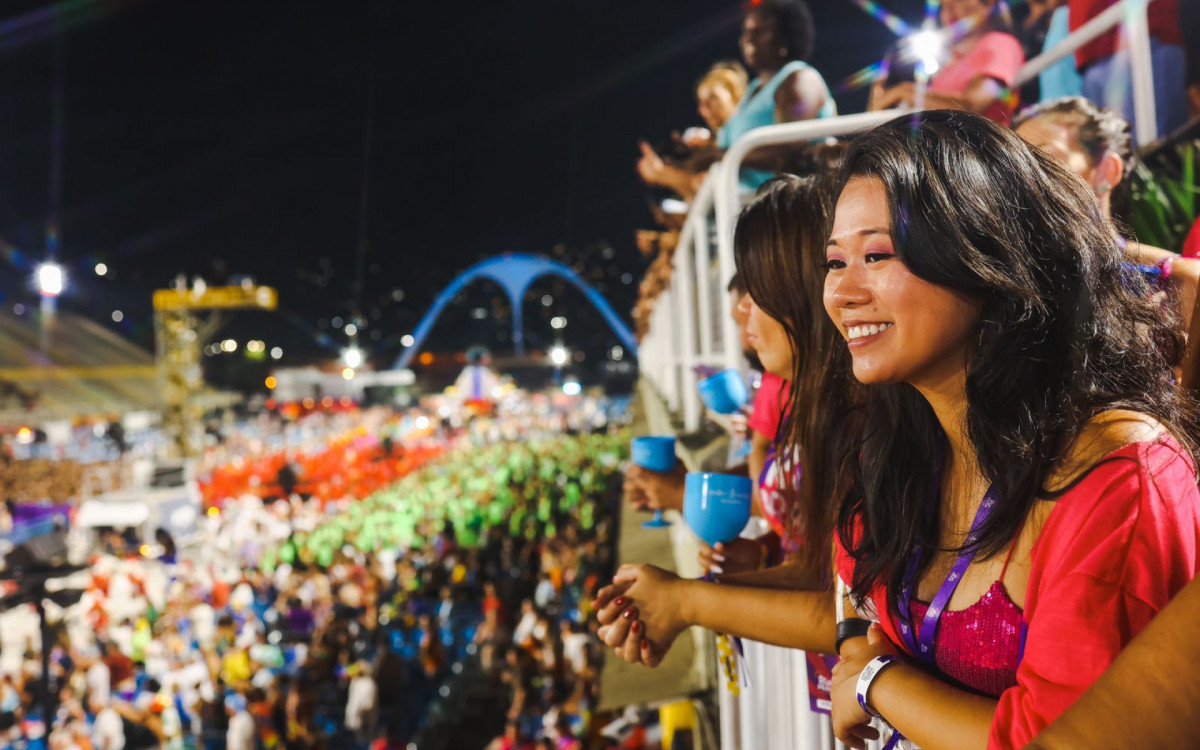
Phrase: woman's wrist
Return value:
(686, 592)
(867, 676)
(884, 683)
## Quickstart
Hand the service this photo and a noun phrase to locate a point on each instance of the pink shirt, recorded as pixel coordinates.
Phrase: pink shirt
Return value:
(996, 55)
(768, 406)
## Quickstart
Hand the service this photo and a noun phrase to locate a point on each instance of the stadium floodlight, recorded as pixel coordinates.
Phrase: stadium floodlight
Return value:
(50, 279)
(352, 357)
(927, 47)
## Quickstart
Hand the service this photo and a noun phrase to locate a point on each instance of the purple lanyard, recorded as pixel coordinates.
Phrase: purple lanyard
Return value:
(924, 649)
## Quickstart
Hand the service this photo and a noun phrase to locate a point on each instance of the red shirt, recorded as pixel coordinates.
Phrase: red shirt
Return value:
(1115, 549)
(769, 401)
(1162, 17)
(1191, 245)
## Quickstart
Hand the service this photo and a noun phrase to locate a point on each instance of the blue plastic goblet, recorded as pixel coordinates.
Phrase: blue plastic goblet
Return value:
(656, 453)
(725, 392)
(716, 506)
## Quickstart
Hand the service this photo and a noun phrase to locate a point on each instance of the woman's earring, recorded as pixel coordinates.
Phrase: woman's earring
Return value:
(1102, 189)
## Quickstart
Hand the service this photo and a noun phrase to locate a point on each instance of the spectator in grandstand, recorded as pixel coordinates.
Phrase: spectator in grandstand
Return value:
(652, 490)
(1189, 27)
(1031, 25)
(717, 96)
(777, 39)
(1104, 64)
(1094, 143)
(1060, 79)
(984, 58)
(932, 317)
(779, 252)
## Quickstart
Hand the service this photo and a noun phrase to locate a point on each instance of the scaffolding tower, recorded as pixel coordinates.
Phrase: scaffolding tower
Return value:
(183, 319)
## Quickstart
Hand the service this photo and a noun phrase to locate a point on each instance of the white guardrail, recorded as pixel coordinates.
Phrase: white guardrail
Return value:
(692, 325)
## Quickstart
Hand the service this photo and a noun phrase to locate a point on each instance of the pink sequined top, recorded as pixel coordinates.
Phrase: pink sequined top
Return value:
(978, 647)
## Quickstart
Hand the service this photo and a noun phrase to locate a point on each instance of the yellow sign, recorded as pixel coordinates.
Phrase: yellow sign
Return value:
(216, 298)
(78, 373)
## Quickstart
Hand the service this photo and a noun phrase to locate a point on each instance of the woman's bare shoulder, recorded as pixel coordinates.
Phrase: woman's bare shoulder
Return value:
(1101, 436)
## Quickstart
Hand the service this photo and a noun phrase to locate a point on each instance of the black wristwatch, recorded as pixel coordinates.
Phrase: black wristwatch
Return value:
(850, 628)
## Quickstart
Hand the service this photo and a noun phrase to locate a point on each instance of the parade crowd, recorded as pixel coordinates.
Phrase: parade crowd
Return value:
(303, 621)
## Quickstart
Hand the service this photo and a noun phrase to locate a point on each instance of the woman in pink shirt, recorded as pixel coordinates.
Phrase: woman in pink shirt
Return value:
(982, 66)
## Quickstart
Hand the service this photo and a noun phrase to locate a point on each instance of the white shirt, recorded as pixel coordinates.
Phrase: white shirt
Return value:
(360, 701)
(204, 623)
(98, 684)
(108, 732)
(241, 732)
(525, 628)
(544, 593)
(574, 650)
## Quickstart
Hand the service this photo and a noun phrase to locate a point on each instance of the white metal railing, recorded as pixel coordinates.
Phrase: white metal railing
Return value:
(692, 325)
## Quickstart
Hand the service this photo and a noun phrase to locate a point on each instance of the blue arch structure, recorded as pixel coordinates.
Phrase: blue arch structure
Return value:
(515, 272)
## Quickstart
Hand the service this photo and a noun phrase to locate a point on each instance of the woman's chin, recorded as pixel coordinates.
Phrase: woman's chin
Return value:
(872, 374)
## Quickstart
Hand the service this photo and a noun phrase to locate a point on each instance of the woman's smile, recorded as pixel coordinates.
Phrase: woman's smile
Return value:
(860, 334)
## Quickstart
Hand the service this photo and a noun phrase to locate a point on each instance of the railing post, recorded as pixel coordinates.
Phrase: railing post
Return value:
(655, 339)
(684, 281)
(1136, 30)
(725, 200)
(670, 381)
(702, 269)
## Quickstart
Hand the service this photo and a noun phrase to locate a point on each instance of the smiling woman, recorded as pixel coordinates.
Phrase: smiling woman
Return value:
(897, 325)
(1021, 417)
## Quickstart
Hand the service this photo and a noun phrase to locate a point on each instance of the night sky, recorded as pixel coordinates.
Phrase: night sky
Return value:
(230, 138)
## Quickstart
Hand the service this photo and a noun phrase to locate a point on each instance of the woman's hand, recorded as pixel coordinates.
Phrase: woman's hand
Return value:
(656, 490)
(650, 167)
(899, 95)
(739, 426)
(645, 617)
(851, 724)
(739, 556)
(632, 490)
(618, 625)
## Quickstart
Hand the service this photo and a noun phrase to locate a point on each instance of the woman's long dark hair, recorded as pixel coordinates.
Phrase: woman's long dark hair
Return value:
(1063, 333)
(779, 249)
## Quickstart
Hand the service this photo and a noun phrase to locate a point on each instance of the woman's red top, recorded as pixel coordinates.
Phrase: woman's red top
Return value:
(1114, 550)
